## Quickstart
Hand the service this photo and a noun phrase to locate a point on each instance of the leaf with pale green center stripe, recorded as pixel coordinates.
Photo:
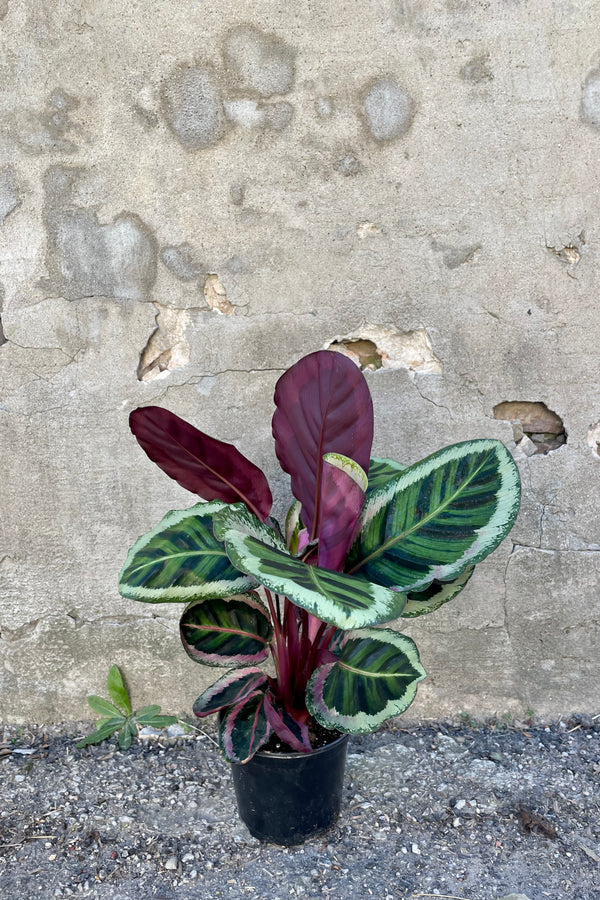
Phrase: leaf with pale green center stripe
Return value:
(180, 560)
(420, 602)
(438, 516)
(226, 631)
(231, 688)
(244, 728)
(335, 598)
(375, 677)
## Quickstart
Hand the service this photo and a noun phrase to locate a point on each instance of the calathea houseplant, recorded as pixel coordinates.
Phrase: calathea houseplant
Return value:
(366, 541)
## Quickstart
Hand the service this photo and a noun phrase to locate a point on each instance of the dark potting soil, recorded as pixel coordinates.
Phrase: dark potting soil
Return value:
(318, 736)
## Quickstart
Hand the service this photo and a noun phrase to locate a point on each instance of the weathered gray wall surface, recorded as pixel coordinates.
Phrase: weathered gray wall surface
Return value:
(193, 194)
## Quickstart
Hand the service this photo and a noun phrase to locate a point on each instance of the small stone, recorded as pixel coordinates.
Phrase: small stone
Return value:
(172, 863)
(148, 732)
(514, 897)
(456, 823)
(415, 849)
(527, 446)
(175, 730)
(460, 804)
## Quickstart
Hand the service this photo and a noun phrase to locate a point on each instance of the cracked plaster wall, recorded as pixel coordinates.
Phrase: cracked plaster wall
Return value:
(189, 201)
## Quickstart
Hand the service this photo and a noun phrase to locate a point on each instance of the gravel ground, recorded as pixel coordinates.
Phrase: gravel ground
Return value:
(429, 810)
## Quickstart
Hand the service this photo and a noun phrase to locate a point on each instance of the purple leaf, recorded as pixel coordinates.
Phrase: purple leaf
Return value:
(212, 469)
(342, 496)
(323, 406)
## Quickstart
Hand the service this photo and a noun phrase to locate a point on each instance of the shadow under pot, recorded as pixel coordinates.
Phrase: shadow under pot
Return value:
(286, 798)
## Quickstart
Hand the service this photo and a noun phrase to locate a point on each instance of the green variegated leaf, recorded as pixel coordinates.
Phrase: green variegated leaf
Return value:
(104, 707)
(420, 602)
(438, 516)
(244, 728)
(117, 690)
(238, 518)
(231, 631)
(229, 690)
(104, 731)
(374, 678)
(348, 602)
(381, 471)
(180, 560)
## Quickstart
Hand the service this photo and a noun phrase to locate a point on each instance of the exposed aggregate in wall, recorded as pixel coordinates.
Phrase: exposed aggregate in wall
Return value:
(191, 200)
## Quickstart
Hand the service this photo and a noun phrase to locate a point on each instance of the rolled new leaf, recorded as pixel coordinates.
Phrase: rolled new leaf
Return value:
(181, 559)
(230, 689)
(375, 677)
(437, 517)
(244, 729)
(335, 598)
(232, 631)
(117, 690)
(323, 406)
(210, 468)
(418, 603)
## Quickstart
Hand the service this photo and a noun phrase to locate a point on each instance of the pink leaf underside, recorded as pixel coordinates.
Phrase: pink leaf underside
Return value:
(275, 718)
(209, 468)
(341, 504)
(254, 737)
(231, 688)
(323, 406)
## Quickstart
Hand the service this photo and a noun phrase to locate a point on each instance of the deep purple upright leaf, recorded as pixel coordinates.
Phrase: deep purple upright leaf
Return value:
(342, 497)
(323, 406)
(212, 469)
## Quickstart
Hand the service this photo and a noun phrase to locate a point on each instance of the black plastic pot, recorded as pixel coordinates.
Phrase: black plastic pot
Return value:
(286, 798)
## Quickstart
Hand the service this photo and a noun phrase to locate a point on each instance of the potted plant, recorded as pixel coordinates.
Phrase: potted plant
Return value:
(366, 541)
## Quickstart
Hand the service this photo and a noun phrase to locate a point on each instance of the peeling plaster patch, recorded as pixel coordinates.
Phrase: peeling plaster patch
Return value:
(191, 104)
(323, 107)
(216, 296)
(182, 261)
(388, 110)
(167, 348)
(92, 260)
(593, 438)
(570, 254)
(454, 257)
(367, 229)
(374, 347)
(54, 125)
(258, 61)
(9, 194)
(252, 114)
(477, 69)
(590, 100)
(348, 165)
(87, 259)
(536, 429)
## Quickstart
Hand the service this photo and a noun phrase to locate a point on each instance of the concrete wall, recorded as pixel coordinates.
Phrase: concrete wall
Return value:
(194, 194)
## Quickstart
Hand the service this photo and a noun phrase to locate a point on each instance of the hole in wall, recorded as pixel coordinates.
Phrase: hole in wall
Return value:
(536, 428)
(364, 353)
(373, 347)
